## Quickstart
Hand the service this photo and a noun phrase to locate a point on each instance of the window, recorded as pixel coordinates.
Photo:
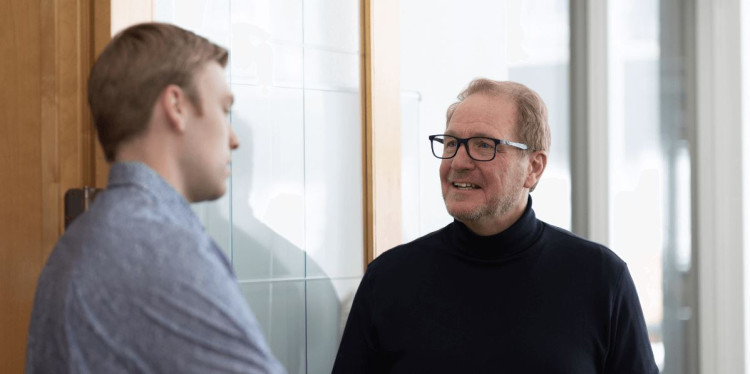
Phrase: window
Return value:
(649, 169)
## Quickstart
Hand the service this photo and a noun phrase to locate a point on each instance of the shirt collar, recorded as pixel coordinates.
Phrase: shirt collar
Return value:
(147, 179)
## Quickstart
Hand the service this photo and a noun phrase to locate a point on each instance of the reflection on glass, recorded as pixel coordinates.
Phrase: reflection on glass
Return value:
(334, 228)
(328, 305)
(280, 310)
(268, 183)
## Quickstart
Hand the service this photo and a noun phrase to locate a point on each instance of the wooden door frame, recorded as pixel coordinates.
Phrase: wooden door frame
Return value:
(51, 142)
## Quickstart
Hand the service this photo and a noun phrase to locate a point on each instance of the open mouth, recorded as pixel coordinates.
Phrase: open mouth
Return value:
(465, 186)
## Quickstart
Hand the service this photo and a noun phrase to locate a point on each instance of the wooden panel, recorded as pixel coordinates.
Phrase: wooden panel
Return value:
(369, 238)
(382, 125)
(102, 24)
(74, 126)
(45, 145)
(20, 185)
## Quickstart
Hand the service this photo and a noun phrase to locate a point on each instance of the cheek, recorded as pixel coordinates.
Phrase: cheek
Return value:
(494, 177)
(445, 167)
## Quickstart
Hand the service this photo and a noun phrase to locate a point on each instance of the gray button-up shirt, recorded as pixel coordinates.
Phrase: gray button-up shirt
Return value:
(135, 285)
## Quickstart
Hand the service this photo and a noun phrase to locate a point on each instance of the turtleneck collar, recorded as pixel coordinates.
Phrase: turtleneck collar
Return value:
(514, 240)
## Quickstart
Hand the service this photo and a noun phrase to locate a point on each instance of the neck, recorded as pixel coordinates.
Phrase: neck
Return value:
(156, 156)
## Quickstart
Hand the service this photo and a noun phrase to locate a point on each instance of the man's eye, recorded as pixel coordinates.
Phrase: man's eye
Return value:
(450, 143)
(484, 145)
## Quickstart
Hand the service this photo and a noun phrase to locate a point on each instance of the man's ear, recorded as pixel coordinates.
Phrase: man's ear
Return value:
(174, 103)
(537, 164)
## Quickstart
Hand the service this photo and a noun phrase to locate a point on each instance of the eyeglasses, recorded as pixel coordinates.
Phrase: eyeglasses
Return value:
(479, 148)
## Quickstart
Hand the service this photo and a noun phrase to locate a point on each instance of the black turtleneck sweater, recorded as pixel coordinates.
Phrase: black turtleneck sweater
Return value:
(531, 299)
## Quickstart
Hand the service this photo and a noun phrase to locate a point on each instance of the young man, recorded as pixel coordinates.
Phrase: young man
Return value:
(496, 291)
(135, 284)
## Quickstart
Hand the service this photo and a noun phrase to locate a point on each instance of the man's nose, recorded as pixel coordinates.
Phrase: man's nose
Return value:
(234, 141)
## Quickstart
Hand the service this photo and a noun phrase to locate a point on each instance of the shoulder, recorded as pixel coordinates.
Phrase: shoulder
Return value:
(582, 254)
(405, 265)
(132, 241)
(410, 253)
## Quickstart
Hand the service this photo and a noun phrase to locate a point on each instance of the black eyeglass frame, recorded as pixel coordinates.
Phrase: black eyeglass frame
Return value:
(465, 142)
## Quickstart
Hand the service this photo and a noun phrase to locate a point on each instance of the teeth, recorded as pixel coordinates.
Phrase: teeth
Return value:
(464, 185)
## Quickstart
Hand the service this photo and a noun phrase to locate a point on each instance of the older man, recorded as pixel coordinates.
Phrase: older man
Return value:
(497, 290)
(136, 285)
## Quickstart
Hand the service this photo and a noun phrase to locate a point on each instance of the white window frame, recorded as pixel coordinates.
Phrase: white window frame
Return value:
(717, 186)
(714, 101)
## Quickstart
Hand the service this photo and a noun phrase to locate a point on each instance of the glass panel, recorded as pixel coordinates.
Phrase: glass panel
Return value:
(268, 183)
(215, 216)
(209, 19)
(279, 20)
(328, 305)
(649, 167)
(528, 43)
(333, 183)
(332, 25)
(267, 43)
(331, 70)
(280, 310)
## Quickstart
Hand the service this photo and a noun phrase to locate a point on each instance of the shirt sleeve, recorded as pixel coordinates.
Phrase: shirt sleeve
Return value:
(629, 345)
(357, 352)
(156, 320)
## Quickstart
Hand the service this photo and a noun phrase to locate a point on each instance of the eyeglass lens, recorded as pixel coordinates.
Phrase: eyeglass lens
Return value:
(482, 149)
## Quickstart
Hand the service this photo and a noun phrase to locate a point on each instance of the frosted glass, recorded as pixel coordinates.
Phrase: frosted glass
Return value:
(267, 43)
(280, 20)
(328, 305)
(266, 64)
(331, 70)
(209, 19)
(280, 310)
(268, 183)
(332, 24)
(333, 183)
(215, 216)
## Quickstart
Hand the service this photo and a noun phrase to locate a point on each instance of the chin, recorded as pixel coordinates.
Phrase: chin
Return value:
(464, 214)
(218, 194)
(212, 195)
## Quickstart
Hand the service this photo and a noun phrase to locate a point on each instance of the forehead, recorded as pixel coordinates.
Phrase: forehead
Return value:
(484, 115)
(211, 79)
